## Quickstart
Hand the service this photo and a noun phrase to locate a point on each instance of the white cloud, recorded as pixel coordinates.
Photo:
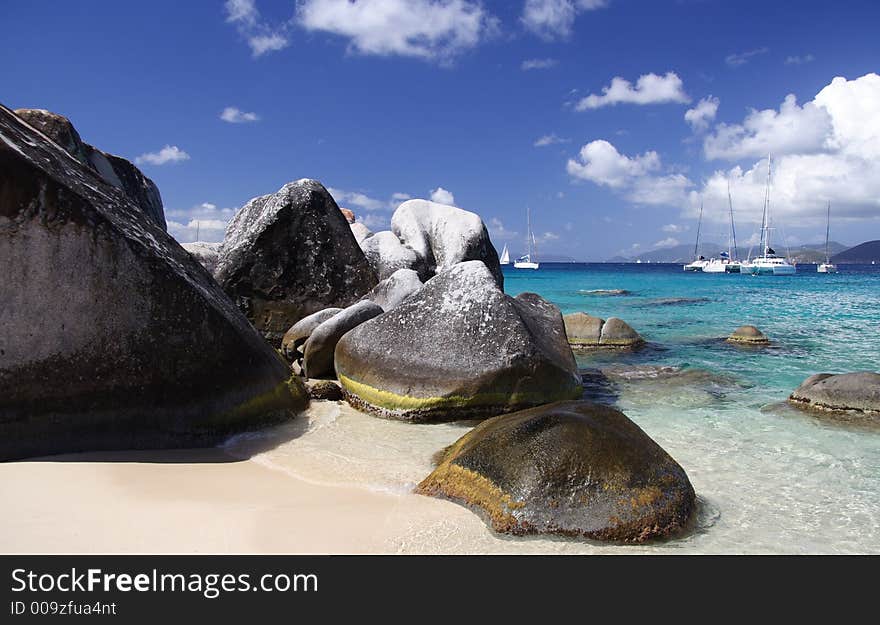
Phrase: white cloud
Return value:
(203, 222)
(427, 29)
(260, 36)
(234, 115)
(552, 19)
(546, 237)
(668, 242)
(741, 58)
(791, 130)
(639, 177)
(168, 154)
(442, 196)
(375, 221)
(703, 113)
(498, 232)
(799, 60)
(673, 228)
(550, 139)
(649, 89)
(362, 201)
(530, 64)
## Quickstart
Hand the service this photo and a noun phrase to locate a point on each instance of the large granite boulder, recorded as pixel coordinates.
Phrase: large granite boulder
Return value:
(111, 335)
(391, 291)
(585, 331)
(300, 332)
(114, 170)
(207, 254)
(443, 236)
(458, 348)
(361, 232)
(748, 335)
(857, 393)
(290, 254)
(318, 349)
(387, 255)
(571, 468)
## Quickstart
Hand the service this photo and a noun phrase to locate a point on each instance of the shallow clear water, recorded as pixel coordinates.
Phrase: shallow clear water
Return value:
(770, 478)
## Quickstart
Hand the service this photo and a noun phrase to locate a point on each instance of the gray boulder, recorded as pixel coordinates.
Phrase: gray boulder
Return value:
(319, 348)
(114, 170)
(846, 392)
(571, 468)
(618, 333)
(748, 335)
(387, 254)
(458, 348)
(391, 291)
(300, 331)
(585, 331)
(443, 236)
(361, 232)
(111, 334)
(290, 254)
(205, 253)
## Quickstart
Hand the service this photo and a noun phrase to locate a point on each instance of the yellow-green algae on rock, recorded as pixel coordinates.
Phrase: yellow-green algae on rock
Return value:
(571, 468)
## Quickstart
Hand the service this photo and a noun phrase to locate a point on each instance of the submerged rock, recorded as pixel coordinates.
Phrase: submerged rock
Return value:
(299, 333)
(112, 335)
(290, 254)
(114, 170)
(443, 236)
(394, 289)
(458, 348)
(572, 468)
(318, 349)
(205, 253)
(748, 335)
(846, 392)
(585, 331)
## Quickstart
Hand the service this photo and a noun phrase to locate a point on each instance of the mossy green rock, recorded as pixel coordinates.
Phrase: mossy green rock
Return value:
(572, 468)
(112, 335)
(458, 348)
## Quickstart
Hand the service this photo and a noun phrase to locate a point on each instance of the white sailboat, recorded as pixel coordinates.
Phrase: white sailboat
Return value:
(699, 262)
(529, 260)
(505, 256)
(767, 263)
(727, 262)
(827, 266)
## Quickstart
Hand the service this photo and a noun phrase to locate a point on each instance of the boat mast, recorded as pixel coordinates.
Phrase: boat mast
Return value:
(765, 226)
(735, 252)
(699, 225)
(529, 236)
(827, 233)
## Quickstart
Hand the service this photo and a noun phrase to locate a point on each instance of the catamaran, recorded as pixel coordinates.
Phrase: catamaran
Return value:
(699, 262)
(727, 261)
(529, 260)
(505, 256)
(767, 263)
(827, 266)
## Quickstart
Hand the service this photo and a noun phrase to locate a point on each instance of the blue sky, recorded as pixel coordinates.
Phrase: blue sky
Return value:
(384, 99)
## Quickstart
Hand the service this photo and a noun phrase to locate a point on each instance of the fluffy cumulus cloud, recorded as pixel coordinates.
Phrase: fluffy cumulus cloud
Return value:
(551, 139)
(261, 36)
(530, 64)
(667, 242)
(204, 222)
(553, 19)
(826, 150)
(741, 58)
(357, 200)
(234, 115)
(442, 196)
(649, 89)
(168, 154)
(640, 178)
(427, 29)
(703, 113)
(498, 232)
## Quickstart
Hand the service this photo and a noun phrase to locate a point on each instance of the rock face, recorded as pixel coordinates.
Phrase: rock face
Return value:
(290, 254)
(846, 392)
(571, 468)
(391, 291)
(349, 215)
(585, 331)
(205, 253)
(387, 255)
(111, 335)
(748, 335)
(443, 236)
(299, 333)
(458, 348)
(114, 170)
(319, 348)
(361, 232)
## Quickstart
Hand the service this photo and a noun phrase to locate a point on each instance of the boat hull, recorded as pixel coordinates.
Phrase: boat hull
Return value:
(769, 270)
(826, 268)
(525, 265)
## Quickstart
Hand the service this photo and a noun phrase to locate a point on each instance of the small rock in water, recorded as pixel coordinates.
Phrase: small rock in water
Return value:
(586, 331)
(843, 393)
(605, 292)
(572, 468)
(748, 335)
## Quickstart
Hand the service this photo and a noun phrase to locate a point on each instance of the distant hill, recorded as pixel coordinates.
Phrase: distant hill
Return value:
(865, 253)
(677, 254)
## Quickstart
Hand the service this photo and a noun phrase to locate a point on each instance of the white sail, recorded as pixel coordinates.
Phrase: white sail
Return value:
(505, 256)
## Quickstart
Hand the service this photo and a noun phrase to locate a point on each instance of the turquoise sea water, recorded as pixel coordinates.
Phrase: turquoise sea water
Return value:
(771, 477)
